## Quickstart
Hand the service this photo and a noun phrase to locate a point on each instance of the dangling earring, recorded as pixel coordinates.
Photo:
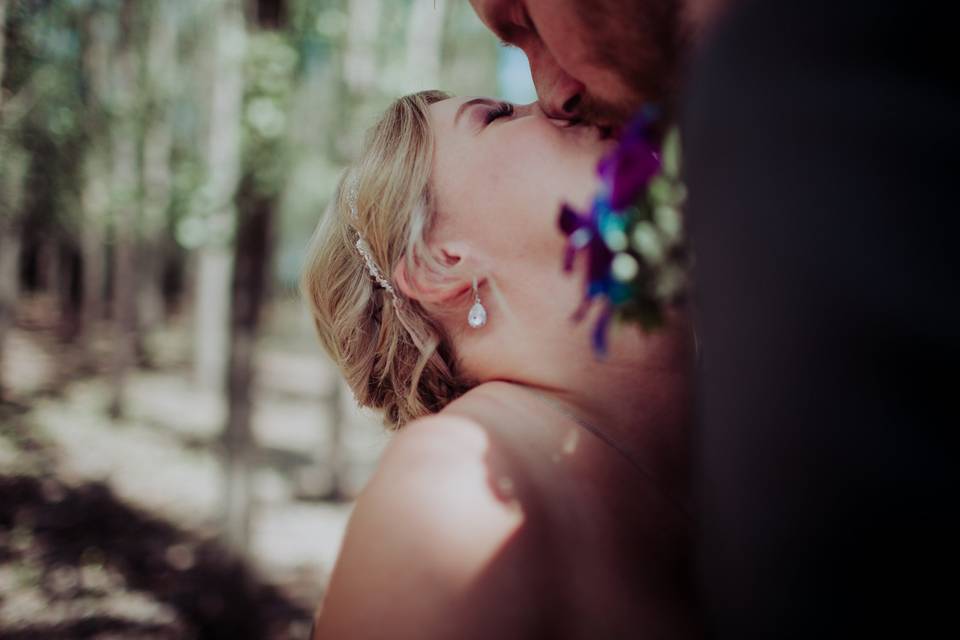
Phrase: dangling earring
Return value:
(478, 315)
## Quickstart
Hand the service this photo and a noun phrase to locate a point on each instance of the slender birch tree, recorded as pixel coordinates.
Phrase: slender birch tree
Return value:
(125, 201)
(161, 72)
(100, 31)
(222, 157)
(13, 169)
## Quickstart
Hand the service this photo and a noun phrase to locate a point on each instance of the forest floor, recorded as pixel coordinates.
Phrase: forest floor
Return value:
(110, 528)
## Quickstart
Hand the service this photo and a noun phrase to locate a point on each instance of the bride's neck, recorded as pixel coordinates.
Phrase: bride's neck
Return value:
(640, 397)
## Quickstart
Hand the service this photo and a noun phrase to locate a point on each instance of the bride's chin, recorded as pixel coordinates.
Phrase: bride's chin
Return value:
(591, 142)
(604, 136)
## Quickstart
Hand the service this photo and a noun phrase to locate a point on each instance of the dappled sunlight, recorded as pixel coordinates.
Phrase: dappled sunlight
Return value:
(163, 166)
(567, 446)
(570, 441)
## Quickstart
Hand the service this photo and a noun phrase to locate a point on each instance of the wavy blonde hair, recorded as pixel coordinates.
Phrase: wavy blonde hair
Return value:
(393, 354)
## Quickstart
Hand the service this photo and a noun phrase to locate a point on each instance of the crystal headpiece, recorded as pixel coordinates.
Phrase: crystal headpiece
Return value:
(363, 248)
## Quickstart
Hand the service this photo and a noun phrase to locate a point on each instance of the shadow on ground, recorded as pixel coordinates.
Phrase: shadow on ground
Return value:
(76, 562)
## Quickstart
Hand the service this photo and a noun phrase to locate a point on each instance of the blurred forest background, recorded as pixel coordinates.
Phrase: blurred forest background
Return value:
(177, 457)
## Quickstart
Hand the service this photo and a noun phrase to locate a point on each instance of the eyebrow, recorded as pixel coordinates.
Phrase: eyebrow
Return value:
(469, 103)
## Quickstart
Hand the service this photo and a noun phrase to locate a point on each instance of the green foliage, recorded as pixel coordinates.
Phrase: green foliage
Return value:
(65, 104)
(42, 119)
(317, 30)
(270, 74)
(13, 169)
(656, 239)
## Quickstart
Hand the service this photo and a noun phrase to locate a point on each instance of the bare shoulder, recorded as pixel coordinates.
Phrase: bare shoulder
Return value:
(435, 476)
(446, 439)
(430, 550)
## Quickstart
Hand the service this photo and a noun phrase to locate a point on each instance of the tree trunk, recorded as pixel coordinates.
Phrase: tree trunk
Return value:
(248, 292)
(157, 158)
(95, 192)
(9, 278)
(3, 44)
(92, 254)
(211, 299)
(211, 312)
(424, 41)
(95, 209)
(125, 204)
(360, 57)
(13, 165)
(224, 343)
(249, 289)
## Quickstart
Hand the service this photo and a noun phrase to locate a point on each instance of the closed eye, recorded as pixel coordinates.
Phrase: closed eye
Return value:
(502, 110)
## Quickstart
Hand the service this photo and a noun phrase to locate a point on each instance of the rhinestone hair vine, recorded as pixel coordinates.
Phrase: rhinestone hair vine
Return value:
(363, 248)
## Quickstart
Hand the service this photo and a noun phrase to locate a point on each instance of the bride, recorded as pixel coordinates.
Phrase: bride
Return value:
(532, 490)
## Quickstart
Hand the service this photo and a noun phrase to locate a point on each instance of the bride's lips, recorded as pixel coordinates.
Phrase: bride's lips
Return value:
(604, 131)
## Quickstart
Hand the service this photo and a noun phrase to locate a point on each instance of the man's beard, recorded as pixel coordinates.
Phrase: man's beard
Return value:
(606, 114)
(643, 42)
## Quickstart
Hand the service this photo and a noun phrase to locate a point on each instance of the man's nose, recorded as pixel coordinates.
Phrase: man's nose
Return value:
(559, 93)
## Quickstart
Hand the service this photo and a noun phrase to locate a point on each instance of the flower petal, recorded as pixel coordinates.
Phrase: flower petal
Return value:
(600, 331)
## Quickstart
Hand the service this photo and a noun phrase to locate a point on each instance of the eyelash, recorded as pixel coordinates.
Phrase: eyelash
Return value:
(502, 110)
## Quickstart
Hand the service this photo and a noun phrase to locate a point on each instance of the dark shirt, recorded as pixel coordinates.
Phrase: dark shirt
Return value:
(821, 143)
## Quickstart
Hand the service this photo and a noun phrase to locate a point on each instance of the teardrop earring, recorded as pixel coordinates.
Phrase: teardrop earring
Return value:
(478, 315)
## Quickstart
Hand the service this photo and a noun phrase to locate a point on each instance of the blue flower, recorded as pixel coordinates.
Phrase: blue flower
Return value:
(601, 232)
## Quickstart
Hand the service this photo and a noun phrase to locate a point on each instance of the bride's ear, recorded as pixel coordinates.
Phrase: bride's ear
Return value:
(439, 284)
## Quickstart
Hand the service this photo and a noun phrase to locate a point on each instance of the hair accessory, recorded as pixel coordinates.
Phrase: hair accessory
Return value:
(364, 248)
(478, 315)
(352, 197)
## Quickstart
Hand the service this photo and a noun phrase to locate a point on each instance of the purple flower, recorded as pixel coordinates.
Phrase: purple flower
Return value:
(624, 175)
(627, 170)
(583, 234)
(600, 330)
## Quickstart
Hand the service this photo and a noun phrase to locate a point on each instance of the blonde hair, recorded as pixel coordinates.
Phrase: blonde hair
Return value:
(394, 356)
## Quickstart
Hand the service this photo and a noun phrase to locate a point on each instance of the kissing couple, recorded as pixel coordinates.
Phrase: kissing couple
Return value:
(546, 480)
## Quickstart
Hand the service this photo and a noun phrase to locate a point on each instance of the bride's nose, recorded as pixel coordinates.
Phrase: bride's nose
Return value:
(534, 109)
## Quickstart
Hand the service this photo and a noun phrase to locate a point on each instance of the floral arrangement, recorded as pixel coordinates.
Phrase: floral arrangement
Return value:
(632, 237)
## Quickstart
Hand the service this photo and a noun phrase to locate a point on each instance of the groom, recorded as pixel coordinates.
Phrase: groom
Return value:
(821, 155)
(600, 61)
